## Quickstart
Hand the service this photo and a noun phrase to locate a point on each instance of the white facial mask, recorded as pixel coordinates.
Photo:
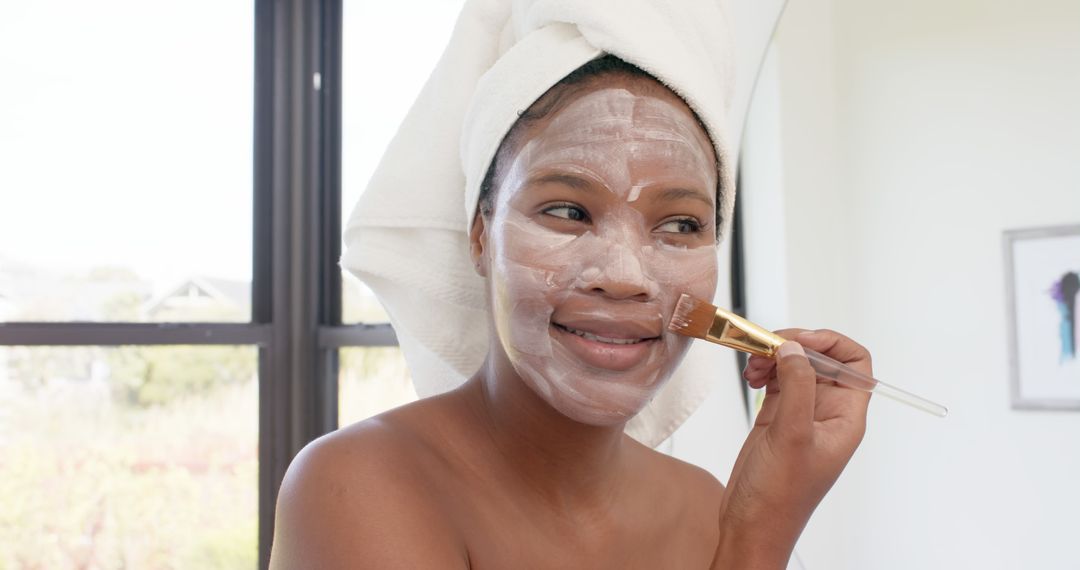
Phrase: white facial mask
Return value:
(569, 301)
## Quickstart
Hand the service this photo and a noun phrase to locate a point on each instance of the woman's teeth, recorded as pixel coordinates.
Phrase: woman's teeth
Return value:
(597, 338)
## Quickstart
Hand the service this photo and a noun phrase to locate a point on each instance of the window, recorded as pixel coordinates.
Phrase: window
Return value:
(126, 161)
(126, 188)
(131, 456)
(371, 380)
(171, 307)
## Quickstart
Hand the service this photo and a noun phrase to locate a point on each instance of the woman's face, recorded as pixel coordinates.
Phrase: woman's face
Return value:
(603, 217)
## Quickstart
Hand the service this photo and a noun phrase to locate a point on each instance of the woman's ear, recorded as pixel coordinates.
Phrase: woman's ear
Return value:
(478, 244)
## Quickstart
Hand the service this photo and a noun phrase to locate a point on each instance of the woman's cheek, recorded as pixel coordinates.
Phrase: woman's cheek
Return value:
(538, 261)
(527, 311)
(690, 271)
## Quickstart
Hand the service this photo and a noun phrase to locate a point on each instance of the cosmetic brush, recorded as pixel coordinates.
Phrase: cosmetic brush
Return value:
(698, 319)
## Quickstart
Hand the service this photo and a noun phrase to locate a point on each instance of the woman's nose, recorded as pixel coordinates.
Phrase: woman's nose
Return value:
(620, 274)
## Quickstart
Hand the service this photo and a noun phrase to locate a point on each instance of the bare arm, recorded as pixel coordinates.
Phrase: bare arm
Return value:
(803, 437)
(351, 502)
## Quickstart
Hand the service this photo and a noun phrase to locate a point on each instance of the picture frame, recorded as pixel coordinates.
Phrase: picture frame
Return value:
(1042, 283)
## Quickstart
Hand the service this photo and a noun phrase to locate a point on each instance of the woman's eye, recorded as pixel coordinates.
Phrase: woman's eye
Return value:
(681, 226)
(568, 212)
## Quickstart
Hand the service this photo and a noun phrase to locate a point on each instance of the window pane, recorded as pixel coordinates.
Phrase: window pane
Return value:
(125, 160)
(358, 303)
(128, 457)
(377, 92)
(371, 381)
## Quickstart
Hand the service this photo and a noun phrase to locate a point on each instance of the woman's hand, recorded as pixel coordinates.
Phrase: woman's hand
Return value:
(804, 435)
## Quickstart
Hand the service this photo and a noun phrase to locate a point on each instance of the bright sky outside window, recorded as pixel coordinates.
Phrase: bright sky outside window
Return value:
(125, 160)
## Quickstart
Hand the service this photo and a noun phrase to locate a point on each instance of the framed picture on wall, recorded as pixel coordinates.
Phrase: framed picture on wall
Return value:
(1042, 282)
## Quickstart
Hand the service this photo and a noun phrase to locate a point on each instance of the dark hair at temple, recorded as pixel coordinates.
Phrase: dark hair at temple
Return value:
(553, 99)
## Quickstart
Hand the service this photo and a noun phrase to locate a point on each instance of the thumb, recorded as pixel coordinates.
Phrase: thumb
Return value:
(798, 389)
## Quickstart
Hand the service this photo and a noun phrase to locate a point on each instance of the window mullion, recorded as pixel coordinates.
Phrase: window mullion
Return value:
(291, 185)
(329, 213)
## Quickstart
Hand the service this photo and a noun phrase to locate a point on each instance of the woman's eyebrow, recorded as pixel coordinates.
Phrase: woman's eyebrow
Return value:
(573, 181)
(582, 183)
(672, 194)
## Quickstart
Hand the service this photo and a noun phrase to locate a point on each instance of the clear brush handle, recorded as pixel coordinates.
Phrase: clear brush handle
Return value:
(841, 373)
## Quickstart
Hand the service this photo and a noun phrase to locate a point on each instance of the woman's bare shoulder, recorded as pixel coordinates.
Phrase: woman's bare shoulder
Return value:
(362, 493)
(697, 479)
(686, 491)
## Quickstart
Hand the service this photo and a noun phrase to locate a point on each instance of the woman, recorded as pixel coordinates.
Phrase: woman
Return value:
(599, 209)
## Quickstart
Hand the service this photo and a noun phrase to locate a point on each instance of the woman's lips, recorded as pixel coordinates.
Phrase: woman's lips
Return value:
(618, 351)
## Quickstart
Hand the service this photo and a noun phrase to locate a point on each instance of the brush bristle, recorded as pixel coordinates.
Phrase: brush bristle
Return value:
(693, 317)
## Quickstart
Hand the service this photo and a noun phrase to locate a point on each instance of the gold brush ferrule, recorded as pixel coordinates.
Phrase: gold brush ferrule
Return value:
(733, 331)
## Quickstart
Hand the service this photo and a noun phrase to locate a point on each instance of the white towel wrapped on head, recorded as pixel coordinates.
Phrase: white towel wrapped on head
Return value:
(408, 234)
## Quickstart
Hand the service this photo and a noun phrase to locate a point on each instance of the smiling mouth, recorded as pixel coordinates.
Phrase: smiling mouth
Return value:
(598, 338)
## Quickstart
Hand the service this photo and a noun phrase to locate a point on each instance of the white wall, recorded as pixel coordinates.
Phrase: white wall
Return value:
(913, 134)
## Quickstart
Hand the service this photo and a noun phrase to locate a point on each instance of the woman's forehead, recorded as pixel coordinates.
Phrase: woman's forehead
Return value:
(618, 112)
(626, 133)
(625, 101)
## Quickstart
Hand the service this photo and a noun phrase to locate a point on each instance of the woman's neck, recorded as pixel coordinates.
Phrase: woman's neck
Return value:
(568, 464)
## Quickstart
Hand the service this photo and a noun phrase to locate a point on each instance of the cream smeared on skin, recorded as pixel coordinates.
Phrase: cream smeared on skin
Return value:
(619, 268)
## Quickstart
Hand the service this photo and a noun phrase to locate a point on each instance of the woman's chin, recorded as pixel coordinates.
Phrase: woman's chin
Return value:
(596, 401)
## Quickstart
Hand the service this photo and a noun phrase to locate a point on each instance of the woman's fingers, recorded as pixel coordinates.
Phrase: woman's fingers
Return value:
(836, 346)
(758, 370)
(760, 363)
(798, 387)
(762, 367)
(761, 372)
(753, 369)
